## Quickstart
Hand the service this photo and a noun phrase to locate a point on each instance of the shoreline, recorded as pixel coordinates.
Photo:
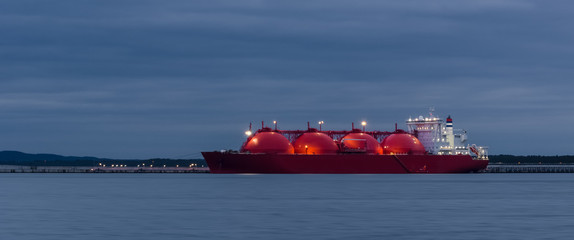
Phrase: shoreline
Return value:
(494, 168)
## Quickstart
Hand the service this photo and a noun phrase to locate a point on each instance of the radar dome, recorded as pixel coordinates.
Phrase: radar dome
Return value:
(315, 143)
(267, 141)
(402, 143)
(361, 142)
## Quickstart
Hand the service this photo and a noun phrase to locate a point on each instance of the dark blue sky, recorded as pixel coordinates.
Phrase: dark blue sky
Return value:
(141, 79)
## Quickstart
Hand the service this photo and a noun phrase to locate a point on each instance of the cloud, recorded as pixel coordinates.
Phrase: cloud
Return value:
(159, 79)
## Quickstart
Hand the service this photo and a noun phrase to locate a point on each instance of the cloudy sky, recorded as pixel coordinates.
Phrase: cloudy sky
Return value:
(142, 79)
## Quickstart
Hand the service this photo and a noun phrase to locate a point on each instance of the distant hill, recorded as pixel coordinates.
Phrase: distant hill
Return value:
(27, 159)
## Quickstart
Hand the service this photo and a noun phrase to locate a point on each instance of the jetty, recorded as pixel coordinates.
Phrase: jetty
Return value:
(534, 168)
(493, 168)
(83, 169)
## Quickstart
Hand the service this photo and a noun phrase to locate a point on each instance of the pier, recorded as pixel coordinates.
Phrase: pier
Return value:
(557, 168)
(81, 169)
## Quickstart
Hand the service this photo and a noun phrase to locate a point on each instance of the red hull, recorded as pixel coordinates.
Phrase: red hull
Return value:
(224, 162)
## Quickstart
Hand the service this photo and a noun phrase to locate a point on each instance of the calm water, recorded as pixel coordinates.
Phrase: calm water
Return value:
(202, 206)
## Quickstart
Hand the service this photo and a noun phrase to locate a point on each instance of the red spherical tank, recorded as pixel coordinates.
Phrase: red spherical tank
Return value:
(268, 142)
(402, 143)
(315, 143)
(361, 142)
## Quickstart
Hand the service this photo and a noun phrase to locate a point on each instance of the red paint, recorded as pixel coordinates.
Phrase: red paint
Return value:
(402, 143)
(219, 162)
(316, 142)
(361, 142)
(268, 142)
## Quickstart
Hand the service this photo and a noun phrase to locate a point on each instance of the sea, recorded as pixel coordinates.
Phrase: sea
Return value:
(299, 206)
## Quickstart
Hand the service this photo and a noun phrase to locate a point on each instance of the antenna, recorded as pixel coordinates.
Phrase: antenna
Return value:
(431, 110)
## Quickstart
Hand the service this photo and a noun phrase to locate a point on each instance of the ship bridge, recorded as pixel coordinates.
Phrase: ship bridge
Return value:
(440, 138)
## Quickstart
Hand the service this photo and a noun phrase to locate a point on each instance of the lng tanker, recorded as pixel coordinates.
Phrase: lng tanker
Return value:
(429, 145)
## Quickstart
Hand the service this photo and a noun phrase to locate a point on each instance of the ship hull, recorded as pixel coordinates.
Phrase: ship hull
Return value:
(227, 162)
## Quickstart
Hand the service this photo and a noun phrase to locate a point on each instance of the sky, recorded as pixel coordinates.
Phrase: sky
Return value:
(143, 79)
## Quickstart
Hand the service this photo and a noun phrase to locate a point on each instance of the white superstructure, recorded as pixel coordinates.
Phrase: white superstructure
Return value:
(441, 138)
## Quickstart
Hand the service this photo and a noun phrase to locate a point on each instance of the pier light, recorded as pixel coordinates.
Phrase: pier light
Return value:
(248, 133)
